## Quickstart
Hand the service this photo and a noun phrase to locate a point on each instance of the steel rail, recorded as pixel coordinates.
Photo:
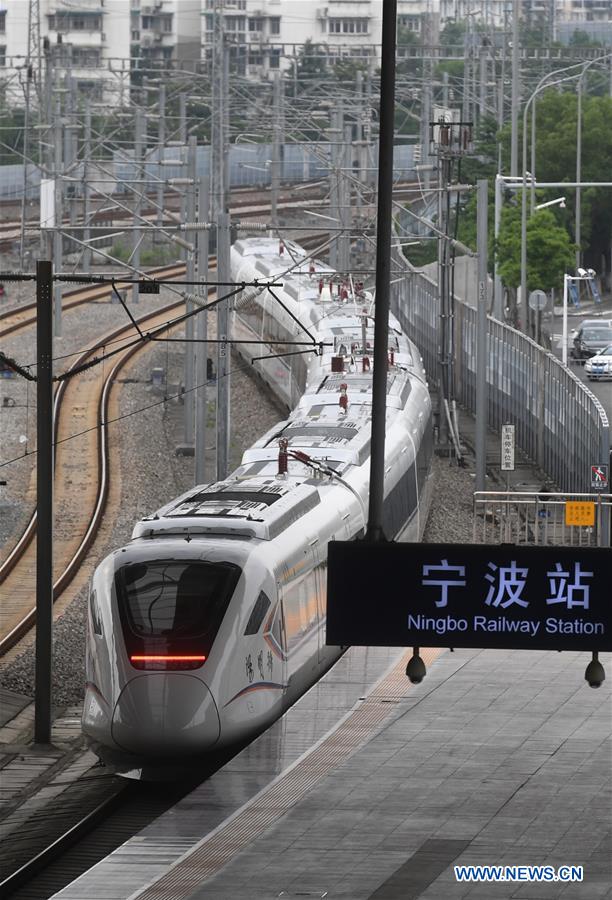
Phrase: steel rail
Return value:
(66, 576)
(61, 844)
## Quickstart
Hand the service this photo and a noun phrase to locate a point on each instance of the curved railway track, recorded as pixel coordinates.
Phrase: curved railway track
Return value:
(81, 482)
(24, 316)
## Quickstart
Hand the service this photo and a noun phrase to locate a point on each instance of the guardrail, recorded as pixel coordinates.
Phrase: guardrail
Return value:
(560, 424)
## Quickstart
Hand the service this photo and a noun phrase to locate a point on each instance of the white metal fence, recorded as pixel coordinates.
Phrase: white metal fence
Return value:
(509, 517)
(560, 424)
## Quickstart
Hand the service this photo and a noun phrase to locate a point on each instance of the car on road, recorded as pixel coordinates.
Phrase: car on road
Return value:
(602, 322)
(600, 365)
(590, 340)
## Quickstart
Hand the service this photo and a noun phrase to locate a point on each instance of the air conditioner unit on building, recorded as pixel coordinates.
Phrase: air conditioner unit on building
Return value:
(146, 40)
(322, 12)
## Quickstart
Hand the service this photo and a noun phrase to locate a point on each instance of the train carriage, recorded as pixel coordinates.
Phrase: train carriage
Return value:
(211, 621)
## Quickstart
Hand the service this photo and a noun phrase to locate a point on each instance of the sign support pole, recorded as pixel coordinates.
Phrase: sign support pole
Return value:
(383, 273)
(44, 502)
(481, 339)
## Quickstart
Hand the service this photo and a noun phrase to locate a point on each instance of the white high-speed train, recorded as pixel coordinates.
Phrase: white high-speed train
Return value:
(211, 621)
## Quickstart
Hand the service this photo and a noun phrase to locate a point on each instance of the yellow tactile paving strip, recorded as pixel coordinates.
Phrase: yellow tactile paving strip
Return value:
(249, 823)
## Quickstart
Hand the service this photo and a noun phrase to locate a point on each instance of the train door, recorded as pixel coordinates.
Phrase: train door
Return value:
(319, 586)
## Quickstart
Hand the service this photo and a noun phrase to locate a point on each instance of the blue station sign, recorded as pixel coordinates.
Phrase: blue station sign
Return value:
(469, 595)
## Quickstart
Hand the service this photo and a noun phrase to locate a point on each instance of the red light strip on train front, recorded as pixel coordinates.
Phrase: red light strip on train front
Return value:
(167, 658)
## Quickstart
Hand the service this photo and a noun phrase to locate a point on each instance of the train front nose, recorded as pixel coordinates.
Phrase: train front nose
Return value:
(166, 714)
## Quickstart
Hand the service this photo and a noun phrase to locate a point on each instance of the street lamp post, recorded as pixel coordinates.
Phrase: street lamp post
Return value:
(566, 282)
(538, 89)
(541, 82)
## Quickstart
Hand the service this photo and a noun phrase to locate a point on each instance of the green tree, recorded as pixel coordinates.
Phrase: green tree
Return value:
(583, 39)
(550, 252)
(309, 65)
(453, 33)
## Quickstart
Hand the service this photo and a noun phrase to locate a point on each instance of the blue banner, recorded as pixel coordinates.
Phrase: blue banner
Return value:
(594, 290)
(574, 294)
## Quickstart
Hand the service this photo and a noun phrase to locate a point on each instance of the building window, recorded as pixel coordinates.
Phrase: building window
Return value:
(255, 24)
(255, 59)
(348, 26)
(64, 21)
(2, 21)
(135, 34)
(86, 57)
(92, 89)
(275, 25)
(275, 59)
(2, 56)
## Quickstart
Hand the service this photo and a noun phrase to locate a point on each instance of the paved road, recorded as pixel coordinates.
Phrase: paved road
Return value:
(601, 389)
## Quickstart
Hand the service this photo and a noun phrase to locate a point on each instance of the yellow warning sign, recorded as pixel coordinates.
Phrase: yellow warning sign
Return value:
(579, 512)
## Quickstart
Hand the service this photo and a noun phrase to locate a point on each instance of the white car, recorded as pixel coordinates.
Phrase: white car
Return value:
(600, 365)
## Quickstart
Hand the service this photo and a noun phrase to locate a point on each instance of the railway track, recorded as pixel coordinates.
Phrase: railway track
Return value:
(81, 481)
(24, 316)
(93, 820)
(246, 203)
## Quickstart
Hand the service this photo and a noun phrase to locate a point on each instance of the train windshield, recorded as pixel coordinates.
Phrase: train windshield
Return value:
(171, 610)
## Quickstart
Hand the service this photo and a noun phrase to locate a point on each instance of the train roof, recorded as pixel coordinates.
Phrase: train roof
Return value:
(252, 508)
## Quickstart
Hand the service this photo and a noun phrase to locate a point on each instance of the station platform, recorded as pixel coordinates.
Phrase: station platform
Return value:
(371, 788)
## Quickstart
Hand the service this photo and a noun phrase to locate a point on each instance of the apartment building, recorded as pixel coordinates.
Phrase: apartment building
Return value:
(98, 42)
(101, 42)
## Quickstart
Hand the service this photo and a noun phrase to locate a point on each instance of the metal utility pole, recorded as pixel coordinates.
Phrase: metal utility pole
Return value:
(360, 128)
(223, 349)
(481, 339)
(375, 530)
(46, 150)
(44, 502)
(201, 329)
(276, 161)
(515, 87)
(161, 140)
(335, 202)
(370, 177)
(59, 214)
(217, 168)
(446, 321)
(219, 177)
(189, 362)
(32, 77)
(138, 165)
(501, 100)
(465, 103)
(183, 140)
(483, 83)
(445, 77)
(183, 118)
(344, 238)
(86, 187)
(425, 155)
(70, 153)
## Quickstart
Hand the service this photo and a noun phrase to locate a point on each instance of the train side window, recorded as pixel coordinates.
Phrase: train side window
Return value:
(94, 610)
(262, 605)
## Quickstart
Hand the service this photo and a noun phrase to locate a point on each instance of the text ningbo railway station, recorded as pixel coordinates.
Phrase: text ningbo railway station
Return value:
(469, 595)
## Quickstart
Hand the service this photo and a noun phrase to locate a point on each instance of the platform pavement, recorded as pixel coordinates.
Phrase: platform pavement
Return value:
(497, 758)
